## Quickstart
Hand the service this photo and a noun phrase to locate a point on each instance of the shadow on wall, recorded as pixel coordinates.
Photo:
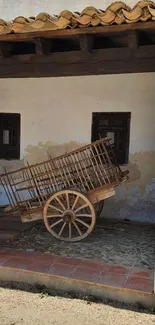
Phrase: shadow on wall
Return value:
(141, 166)
(142, 170)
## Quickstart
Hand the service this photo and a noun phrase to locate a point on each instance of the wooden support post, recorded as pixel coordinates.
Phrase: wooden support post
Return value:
(132, 42)
(86, 42)
(5, 50)
(42, 46)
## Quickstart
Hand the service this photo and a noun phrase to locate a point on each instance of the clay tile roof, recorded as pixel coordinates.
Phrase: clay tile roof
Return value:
(117, 13)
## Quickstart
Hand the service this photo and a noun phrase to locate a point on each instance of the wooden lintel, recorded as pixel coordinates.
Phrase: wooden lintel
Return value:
(86, 42)
(38, 70)
(42, 46)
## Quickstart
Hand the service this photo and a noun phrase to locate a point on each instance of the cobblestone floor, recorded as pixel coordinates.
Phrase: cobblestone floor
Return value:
(111, 242)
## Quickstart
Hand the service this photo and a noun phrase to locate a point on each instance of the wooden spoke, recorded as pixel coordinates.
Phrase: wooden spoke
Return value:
(82, 207)
(61, 230)
(82, 222)
(59, 201)
(77, 228)
(69, 216)
(55, 208)
(75, 202)
(54, 215)
(70, 231)
(56, 223)
(67, 199)
(84, 215)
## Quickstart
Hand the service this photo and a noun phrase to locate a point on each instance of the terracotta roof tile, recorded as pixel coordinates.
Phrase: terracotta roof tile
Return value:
(117, 13)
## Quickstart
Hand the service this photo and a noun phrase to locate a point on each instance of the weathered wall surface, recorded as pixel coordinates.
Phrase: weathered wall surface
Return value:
(11, 8)
(56, 117)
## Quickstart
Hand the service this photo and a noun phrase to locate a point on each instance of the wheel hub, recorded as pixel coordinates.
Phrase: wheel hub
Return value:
(68, 216)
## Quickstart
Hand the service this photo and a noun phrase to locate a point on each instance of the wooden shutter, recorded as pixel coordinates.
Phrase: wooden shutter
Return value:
(118, 126)
(9, 136)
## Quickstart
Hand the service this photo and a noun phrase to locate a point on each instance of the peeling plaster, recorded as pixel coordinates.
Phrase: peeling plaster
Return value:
(42, 151)
(141, 164)
(134, 200)
(141, 170)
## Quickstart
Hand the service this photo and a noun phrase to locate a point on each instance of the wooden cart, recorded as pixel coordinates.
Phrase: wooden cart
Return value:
(65, 192)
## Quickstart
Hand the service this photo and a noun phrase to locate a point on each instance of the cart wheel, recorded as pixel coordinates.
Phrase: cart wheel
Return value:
(65, 215)
(98, 208)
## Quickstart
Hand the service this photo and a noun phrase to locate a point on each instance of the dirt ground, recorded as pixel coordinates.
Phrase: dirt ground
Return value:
(28, 308)
(113, 242)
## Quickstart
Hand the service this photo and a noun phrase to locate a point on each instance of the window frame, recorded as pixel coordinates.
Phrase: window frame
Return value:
(111, 126)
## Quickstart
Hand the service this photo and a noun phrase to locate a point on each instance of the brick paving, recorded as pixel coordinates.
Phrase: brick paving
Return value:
(107, 275)
(111, 242)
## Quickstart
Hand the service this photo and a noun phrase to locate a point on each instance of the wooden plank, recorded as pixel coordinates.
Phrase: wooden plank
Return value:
(34, 216)
(79, 31)
(37, 70)
(101, 194)
(145, 52)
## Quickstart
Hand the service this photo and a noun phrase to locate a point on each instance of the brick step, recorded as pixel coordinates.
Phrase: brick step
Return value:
(115, 282)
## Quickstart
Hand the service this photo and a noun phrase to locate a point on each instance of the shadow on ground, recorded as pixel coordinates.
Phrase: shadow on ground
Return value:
(45, 293)
(115, 242)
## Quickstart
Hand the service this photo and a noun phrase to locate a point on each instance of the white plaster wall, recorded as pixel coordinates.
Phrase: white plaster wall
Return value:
(59, 110)
(10, 8)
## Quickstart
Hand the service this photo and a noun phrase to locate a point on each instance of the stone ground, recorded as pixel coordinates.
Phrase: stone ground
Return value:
(111, 242)
(27, 305)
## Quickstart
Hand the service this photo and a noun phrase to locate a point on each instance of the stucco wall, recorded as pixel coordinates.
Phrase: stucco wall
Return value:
(56, 116)
(11, 8)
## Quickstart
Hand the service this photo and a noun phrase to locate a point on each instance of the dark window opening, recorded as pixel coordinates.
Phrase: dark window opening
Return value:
(146, 38)
(65, 45)
(115, 126)
(21, 48)
(105, 42)
(9, 136)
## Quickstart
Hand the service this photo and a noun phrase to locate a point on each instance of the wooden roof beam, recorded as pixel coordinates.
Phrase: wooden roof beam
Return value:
(141, 26)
